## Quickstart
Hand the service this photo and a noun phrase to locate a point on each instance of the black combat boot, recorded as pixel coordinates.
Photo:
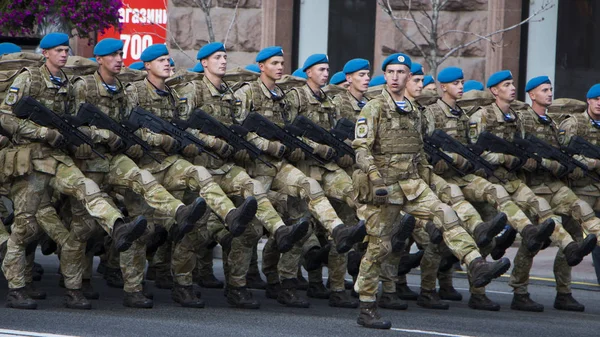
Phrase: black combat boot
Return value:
(402, 231)
(34, 292)
(158, 239)
(114, 277)
(163, 280)
(241, 297)
(185, 296)
(524, 303)
(503, 242)
(369, 317)
(448, 293)
(302, 282)
(137, 300)
(238, 219)
(47, 245)
(123, 234)
(210, 281)
(405, 293)
(353, 263)
(316, 257)
(576, 251)
(535, 236)
(447, 262)
(3, 250)
(19, 299)
(88, 290)
(391, 301)
(186, 217)
(255, 281)
(567, 302)
(341, 299)
(482, 302)
(409, 262)
(272, 290)
(486, 231)
(345, 237)
(74, 299)
(435, 234)
(286, 236)
(481, 272)
(317, 290)
(37, 271)
(431, 300)
(151, 273)
(288, 295)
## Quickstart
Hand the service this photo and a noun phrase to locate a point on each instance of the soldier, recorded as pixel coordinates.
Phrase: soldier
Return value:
(339, 79)
(500, 120)
(472, 85)
(103, 90)
(263, 96)
(350, 102)
(176, 173)
(389, 151)
(42, 165)
(215, 97)
(429, 83)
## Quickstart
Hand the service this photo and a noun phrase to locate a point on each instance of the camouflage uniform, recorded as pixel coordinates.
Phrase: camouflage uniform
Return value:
(175, 173)
(38, 166)
(284, 178)
(348, 105)
(388, 145)
(202, 94)
(492, 119)
(120, 172)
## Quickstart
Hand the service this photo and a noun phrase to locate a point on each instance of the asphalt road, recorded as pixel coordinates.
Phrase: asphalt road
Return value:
(110, 318)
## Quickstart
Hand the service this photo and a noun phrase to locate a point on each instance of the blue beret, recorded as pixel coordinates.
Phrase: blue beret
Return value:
(450, 74)
(594, 91)
(314, 59)
(54, 40)
(198, 68)
(416, 69)
(355, 65)
(300, 73)
(253, 67)
(139, 65)
(536, 82)
(498, 77)
(428, 79)
(473, 85)
(92, 59)
(397, 58)
(209, 49)
(377, 80)
(9, 48)
(107, 46)
(153, 52)
(269, 52)
(171, 62)
(338, 78)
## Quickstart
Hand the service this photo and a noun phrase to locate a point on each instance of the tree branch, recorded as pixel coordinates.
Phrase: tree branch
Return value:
(546, 6)
(425, 36)
(205, 6)
(387, 8)
(235, 12)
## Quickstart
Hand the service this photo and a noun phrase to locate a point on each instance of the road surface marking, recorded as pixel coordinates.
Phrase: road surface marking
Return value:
(19, 333)
(435, 333)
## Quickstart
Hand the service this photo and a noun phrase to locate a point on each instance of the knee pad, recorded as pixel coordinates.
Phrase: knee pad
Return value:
(541, 206)
(147, 178)
(582, 210)
(385, 247)
(200, 174)
(25, 230)
(312, 188)
(446, 214)
(89, 187)
(496, 194)
(453, 193)
(255, 188)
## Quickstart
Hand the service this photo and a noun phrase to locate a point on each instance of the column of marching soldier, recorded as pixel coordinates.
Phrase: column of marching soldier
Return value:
(349, 175)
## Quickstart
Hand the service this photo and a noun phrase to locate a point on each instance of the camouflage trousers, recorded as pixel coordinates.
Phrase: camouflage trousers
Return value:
(34, 212)
(579, 217)
(425, 206)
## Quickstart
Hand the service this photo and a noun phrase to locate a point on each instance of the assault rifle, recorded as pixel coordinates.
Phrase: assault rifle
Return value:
(29, 108)
(233, 135)
(256, 122)
(487, 141)
(89, 114)
(141, 118)
(344, 129)
(318, 134)
(546, 150)
(442, 140)
(578, 145)
(436, 154)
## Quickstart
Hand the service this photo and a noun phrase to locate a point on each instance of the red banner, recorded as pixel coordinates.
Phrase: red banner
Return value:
(144, 24)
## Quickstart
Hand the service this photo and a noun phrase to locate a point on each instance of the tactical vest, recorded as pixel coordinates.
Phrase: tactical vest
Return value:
(113, 106)
(502, 129)
(531, 125)
(345, 106)
(220, 107)
(585, 129)
(164, 108)
(397, 133)
(321, 112)
(276, 111)
(455, 127)
(49, 97)
(12, 65)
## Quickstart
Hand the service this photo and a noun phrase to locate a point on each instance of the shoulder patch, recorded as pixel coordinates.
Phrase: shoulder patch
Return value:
(562, 132)
(472, 125)
(12, 96)
(13, 89)
(183, 100)
(361, 128)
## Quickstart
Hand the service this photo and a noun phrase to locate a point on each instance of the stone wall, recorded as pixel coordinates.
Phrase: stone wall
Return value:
(188, 31)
